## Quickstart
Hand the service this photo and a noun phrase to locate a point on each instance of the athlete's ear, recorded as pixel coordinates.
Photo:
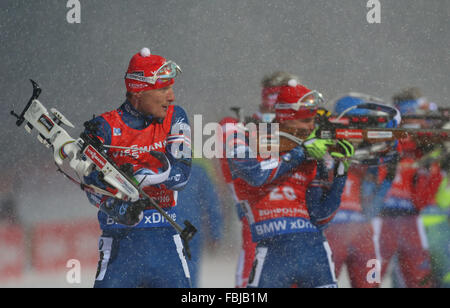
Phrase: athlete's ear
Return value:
(134, 98)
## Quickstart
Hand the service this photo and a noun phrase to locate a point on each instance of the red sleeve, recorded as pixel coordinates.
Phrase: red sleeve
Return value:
(426, 186)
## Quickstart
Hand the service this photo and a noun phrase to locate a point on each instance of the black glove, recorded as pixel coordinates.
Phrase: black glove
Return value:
(125, 213)
(392, 168)
(445, 164)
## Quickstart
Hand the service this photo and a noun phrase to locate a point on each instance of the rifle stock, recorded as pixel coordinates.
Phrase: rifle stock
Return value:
(375, 135)
(290, 138)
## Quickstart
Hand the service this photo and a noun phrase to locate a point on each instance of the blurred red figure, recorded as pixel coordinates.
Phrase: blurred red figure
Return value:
(351, 235)
(400, 229)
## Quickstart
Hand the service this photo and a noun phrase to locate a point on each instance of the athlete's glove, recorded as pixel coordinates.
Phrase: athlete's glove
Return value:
(94, 178)
(316, 147)
(342, 156)
(392, 168)
(125, 213)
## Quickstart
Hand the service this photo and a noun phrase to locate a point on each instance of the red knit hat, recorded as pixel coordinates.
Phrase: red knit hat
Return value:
(148, 72)
(296, 101)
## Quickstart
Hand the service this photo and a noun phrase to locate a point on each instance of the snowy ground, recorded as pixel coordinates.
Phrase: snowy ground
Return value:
(217, 272)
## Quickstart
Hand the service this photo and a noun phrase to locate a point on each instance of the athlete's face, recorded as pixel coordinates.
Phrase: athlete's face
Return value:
(307, 124)
(154, 102)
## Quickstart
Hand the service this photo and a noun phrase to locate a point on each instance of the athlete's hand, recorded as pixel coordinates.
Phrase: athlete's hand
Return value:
(345, 150)
(125, 213)
(316, 147)
(94, 178)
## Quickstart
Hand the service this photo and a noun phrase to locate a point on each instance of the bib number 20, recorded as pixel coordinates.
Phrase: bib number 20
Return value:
(283, 193)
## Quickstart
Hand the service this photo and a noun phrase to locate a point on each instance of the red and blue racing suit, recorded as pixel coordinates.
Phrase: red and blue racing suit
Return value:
(149, 254)
(287, 209)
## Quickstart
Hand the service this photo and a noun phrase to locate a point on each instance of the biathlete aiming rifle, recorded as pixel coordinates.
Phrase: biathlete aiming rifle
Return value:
(369, 129)
(372, 131)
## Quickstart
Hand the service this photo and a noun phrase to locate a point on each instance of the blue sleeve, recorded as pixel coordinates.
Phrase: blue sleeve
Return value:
(322, 179)
(379, 196)
(381, 190)
(211, 208)
(323, 203)
(95, 199)
(368, 189)
(178, 150)
(258, 173)
(103, 131)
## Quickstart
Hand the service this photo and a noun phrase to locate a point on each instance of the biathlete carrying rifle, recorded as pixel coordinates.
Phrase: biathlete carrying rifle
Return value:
(127, 160)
